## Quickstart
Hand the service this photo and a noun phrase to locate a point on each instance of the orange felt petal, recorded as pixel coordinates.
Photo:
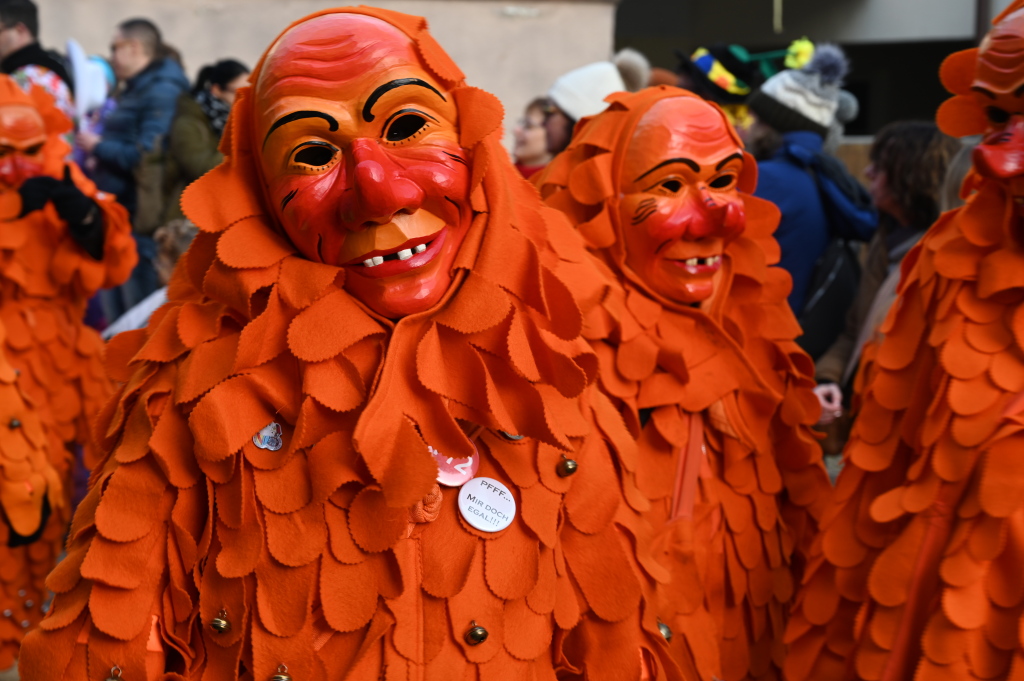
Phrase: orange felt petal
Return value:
(297, 538)
(348, 593)
(228, 417)
(283, 595)
(961, 116)
(599, 565)
(328, 326)
(486, 117)
(510, 563)
(375, 526)
(1002, 478)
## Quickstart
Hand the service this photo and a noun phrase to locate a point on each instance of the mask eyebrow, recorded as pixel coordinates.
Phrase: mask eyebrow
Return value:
(692, 164)
(298, 116)
(987, 93)
(724, 161)
(388, 87)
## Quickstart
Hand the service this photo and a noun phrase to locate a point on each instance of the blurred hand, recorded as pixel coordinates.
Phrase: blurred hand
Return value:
(87, 140)
(831, 398)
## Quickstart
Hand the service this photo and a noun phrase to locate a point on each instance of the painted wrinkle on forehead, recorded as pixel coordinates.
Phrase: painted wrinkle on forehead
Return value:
(331, 56)
(678, 128)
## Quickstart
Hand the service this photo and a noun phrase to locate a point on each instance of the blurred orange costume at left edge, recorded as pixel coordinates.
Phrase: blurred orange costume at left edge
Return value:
(52, 378)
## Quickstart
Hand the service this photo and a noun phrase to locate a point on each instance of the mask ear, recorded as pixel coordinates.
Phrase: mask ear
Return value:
(748, 176)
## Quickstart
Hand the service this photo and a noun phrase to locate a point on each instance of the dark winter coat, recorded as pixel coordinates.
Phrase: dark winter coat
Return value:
(803, 232)
(191, 152)
(142, 118)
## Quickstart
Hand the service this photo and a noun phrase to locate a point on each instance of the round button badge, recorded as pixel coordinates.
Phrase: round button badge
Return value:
(487, 504)
(455, 472)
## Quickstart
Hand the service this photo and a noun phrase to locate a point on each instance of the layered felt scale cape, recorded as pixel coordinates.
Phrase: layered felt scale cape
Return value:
(52, 367)
(338, 556)
(33, 465)
(918, 571)
(721, 400)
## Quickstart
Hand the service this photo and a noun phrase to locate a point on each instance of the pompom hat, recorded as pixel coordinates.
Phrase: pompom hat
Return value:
(804, 99)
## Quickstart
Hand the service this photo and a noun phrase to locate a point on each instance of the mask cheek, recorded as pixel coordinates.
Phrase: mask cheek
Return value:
(446, 190)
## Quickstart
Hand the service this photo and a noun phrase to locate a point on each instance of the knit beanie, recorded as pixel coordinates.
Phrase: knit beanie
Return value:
(803, 99)
(581, 92)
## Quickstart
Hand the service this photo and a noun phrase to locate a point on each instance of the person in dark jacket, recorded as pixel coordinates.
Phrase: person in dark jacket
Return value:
(197, 128)
(145, 107)
(794, 110)
(153, 81)
(25, 60)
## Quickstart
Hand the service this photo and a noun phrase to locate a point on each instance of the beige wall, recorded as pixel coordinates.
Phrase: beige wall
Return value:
(514, 50)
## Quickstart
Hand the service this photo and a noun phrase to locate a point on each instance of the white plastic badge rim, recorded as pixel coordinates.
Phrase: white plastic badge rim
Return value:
(453, 472)
(269, 437)
(487, 504)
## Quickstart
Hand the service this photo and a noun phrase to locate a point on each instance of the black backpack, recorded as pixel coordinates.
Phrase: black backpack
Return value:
(852, 218)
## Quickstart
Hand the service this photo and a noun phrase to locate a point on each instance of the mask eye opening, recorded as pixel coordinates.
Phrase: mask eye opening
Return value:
(405, 126)
(996, 115)
(723, 181)
(315, 154)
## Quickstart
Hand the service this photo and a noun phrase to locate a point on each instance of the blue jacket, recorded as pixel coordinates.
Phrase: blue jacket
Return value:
(144, 112)
(803, 232)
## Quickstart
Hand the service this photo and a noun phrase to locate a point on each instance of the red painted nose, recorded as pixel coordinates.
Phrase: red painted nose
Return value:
(1000, 156)
(376, 188)
(708, 218)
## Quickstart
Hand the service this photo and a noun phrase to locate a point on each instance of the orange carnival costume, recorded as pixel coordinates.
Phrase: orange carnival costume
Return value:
(918, 571)
(375, 304)
(698, 351)
(60, 241)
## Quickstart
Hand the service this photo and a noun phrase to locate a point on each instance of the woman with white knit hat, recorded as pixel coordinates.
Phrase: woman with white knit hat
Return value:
(581, 93)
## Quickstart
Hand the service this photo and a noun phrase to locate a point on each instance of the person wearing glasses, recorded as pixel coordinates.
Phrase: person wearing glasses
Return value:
(133, 132)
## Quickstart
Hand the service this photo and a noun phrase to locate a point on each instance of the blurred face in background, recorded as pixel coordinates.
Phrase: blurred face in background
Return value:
(226, 94)
(127, 56)
(531, 138)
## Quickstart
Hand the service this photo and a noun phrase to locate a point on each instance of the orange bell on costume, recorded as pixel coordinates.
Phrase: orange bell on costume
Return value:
(696, 347)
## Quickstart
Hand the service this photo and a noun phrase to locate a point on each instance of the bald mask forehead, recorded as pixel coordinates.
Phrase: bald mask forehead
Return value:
(20, 126)
(1001, 57)
(680, 127)
(329, 53)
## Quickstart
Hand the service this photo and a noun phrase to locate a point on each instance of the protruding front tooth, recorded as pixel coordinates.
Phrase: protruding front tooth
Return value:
(377, 260)
(420, 248)
(692, 262)
(369, 262)
(405, 254)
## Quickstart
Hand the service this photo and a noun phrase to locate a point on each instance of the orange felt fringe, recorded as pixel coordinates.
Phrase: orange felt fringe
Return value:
(334, 556)
(732, 373)
(917, 570)
(52, 378)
